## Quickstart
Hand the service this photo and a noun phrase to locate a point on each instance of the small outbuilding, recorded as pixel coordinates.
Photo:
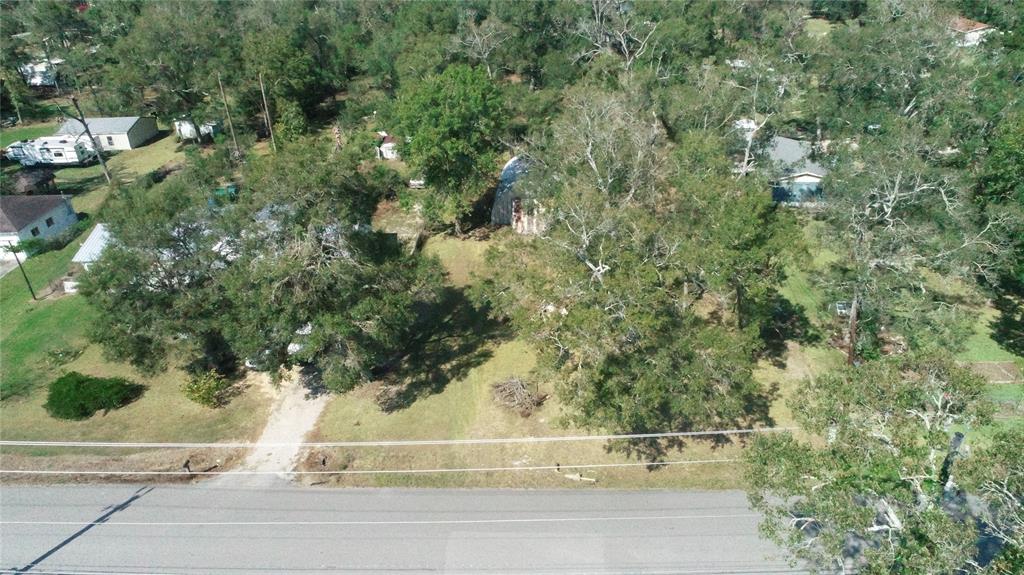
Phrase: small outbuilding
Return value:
(387, 147)
(120, 133)
(969, 32)
(40, 74)
(799, 174)
(33, 217)
(511, 206)
(29, 182)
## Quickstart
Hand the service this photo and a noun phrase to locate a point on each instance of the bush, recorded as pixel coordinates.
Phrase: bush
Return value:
(208, 388)
(78, 396)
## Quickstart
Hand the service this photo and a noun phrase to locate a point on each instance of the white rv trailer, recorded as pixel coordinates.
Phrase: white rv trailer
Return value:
(52, 150)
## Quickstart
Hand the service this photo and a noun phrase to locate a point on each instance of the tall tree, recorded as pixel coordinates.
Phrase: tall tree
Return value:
(869, 489)
(290, 274)
(893, 215)
(607, 290)
(454, 122)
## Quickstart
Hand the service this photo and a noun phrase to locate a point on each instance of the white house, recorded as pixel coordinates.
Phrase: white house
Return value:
(27, 217)
(969, 32)
(387, 149)
(51, 150)
(799, 176)
(122, 133)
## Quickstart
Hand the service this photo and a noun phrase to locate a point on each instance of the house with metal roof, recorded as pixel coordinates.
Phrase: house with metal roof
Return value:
(121, 133)
(798, 172)
(92, 247)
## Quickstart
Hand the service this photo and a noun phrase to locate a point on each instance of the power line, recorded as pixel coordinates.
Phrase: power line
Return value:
(372, 471)
(394, 522)
(395, 443)
(731, 569)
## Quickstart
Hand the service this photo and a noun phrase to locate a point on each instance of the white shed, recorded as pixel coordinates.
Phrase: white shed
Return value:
(122, 133)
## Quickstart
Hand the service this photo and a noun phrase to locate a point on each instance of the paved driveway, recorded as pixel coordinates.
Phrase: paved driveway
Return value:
(6, 265)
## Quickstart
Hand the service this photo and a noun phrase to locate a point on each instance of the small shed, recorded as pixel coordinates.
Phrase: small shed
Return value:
(120, 133)
(40, 74)
(969, 32)
(28, 182)
(387, 148)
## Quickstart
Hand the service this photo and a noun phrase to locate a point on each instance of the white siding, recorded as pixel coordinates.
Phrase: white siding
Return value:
(113, 141)
(141, 132)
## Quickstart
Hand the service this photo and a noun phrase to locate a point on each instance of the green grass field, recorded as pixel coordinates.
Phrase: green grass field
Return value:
(28, 132)
(817, 27)
(163, 413)
(465, 408)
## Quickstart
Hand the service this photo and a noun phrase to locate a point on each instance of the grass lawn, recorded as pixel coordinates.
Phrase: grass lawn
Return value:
(28, 132)
(88, 182)
(981, 346)
(460, 257)
(817, 27)
(466, 409)
(161, 414)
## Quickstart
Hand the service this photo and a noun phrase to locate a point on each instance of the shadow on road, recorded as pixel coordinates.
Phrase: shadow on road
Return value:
(99, 520)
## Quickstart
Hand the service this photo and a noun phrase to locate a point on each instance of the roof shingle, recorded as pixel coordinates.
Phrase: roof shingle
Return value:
(16, 212)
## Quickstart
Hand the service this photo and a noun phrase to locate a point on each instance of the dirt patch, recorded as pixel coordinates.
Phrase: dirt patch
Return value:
(163, 460)
(296, 410)
(997, 371)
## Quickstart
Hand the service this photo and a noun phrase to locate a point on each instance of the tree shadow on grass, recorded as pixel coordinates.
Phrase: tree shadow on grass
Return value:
(785, 322)
(451, 339)
(1008, 328)
(755, 414)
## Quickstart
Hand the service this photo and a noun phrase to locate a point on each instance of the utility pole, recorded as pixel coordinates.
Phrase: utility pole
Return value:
(946, 473)
(10, 246)
(96, 145)
(266, 115)
(227, 113)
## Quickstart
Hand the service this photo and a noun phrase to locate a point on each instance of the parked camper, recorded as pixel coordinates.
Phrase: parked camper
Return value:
(186, 129)
(51, 150)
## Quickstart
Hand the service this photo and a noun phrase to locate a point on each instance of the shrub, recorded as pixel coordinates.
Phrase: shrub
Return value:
(78, 396)
(207, 388)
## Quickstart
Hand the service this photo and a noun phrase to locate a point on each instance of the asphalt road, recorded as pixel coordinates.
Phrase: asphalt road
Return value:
(213, 529)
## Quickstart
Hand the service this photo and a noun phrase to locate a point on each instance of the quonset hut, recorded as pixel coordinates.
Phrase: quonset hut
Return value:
(511, 206)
